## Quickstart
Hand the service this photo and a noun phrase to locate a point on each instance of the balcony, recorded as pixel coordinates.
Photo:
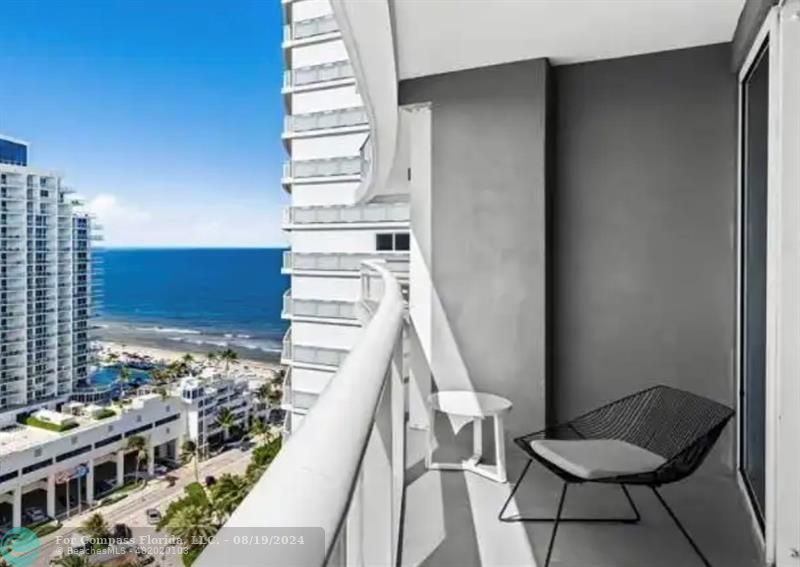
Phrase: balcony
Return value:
(344, 120)
(312, 356)
(342, 264)
(315, 309)
(312, 30)
(380, 213)
(352, 472)
(321, 170)
(318, 76)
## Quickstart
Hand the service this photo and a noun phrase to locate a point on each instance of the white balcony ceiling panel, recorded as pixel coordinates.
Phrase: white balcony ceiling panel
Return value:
(440, 36)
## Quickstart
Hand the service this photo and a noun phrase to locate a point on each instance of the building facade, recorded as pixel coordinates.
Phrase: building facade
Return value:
(47, 282)
(203, 401)
(330, 233)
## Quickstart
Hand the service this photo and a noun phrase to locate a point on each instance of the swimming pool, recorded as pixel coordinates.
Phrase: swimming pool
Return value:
(106, 375)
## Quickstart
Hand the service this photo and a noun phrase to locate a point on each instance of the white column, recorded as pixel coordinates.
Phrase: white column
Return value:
(17, 513)
(51, 495)
(90, 482)
(120, 467)
(151, 459)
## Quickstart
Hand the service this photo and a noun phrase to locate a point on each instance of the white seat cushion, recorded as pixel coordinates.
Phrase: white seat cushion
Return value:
(597, 458)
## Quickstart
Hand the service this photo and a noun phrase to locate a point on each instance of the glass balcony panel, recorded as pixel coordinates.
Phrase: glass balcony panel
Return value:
(315, 26)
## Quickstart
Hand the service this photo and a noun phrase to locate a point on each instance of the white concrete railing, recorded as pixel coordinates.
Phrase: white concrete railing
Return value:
(340, 118)
(396, 262)
(378, 212)
(342, 469)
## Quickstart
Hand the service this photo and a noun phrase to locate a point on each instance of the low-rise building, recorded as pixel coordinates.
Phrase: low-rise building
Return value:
(47, 470)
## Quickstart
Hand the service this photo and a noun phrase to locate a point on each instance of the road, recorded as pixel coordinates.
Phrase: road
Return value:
(157, 494)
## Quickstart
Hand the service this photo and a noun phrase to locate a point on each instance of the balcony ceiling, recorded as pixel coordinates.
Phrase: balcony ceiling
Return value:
(439, 36)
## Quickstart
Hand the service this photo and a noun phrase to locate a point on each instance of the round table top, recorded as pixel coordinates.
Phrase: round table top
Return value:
(469, 403)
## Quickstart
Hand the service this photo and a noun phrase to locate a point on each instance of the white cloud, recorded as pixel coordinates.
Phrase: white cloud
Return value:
(195, 224)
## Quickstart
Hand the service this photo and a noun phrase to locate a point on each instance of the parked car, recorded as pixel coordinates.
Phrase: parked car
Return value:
(104, 486)
(153, 516)
(35, 515)
(160, 470)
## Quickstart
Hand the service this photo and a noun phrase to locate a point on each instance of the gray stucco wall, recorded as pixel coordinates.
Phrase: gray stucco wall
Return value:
(488, 220)
(643, 220)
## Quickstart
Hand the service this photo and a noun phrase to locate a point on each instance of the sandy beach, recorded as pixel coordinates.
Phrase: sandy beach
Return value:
(256, 368)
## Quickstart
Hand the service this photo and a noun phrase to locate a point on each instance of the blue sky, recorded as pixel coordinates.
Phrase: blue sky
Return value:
(165, 114)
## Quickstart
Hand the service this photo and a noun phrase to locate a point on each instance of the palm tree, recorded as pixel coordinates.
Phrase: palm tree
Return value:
(226, 420)
(275, 394)
(228, 356)
(73, 560)
(112, 357)
(124, 376)
(263, 392)
(192, 523)
(227, 493)
(139, 444)
(259, 431)
(189, 453)
(212, 358)
(96, 527)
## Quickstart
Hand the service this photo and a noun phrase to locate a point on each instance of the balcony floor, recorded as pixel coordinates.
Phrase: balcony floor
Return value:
(451, 519)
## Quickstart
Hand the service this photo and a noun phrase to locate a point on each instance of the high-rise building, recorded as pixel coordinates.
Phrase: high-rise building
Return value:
(46, 283)
(324, 133)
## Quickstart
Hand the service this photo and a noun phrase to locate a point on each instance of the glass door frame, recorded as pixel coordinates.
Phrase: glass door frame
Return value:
(781, 525)
(760, 50)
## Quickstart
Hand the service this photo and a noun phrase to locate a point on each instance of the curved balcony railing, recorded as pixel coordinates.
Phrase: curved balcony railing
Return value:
(339, 478)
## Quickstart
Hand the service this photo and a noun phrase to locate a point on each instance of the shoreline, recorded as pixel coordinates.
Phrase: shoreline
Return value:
(251, 347)
(265, 369)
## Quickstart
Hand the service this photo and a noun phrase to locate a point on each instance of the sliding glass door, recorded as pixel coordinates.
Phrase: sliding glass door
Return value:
(754, 145)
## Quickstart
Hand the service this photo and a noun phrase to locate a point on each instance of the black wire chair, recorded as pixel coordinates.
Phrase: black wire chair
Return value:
(673, 424)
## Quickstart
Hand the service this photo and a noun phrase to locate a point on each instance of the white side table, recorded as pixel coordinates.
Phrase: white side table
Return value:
(478, 406)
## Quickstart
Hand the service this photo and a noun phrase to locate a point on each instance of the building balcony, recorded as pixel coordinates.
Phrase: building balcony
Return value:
(340, 121)
(286, 390)
(384, 215)
(321, 170)
(318, 309)
(323, 263)
(327, 75)
(313, 30)
(352, 477)
(311, 356)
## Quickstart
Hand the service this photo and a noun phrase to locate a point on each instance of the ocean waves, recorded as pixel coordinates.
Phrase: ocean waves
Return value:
(198, 340)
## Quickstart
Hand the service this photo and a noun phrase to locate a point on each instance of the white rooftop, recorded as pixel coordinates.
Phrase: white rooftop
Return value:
(21, 437)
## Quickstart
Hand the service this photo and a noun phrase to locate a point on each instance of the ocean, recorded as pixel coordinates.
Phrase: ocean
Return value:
(194, 299)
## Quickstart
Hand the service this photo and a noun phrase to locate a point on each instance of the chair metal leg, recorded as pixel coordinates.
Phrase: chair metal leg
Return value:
(555, 524)
(518, 518)
(680, 527)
